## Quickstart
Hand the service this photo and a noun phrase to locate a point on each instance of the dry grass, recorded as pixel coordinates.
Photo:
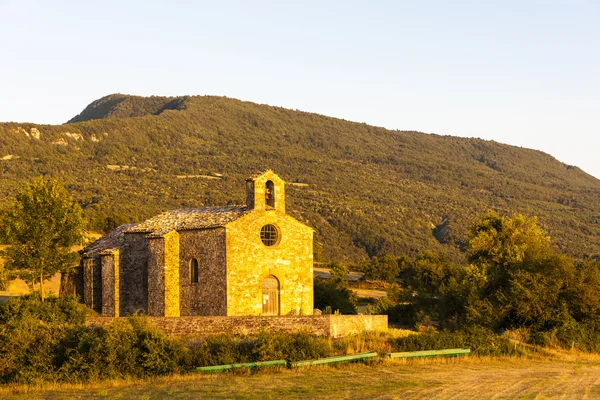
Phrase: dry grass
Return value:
(573, 376)
(378, 341)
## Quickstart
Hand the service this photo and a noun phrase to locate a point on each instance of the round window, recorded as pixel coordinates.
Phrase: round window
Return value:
(269, 235)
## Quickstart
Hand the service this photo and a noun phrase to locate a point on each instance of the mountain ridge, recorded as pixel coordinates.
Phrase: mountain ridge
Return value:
(366, 190)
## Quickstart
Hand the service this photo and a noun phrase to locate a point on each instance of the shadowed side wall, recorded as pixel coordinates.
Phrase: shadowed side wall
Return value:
(110, 282)
(92, 282)
(163, 275)
(209, 295)
(133, 283)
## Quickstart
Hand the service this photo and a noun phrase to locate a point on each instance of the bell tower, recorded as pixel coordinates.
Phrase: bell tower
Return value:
(265, 191)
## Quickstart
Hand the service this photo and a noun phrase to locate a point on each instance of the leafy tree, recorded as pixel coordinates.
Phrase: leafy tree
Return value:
(525, 281)
(106, 223)
(583, 296)
(335, 295)
(386, 268)
(339, 273)
(40, 226)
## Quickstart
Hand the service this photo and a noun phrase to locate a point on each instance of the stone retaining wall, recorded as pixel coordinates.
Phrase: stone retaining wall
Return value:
(324, 325)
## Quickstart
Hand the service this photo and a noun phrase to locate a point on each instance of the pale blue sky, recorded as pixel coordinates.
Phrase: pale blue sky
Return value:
(520, 72)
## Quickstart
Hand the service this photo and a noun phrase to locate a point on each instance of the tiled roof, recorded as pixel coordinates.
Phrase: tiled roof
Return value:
(189, 218)
(112, 240)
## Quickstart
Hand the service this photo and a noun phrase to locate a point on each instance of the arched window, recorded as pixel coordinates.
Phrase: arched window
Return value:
(270, 194)
(193, 271)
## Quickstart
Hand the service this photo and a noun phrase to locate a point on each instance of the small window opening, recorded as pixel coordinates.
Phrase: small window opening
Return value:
(270, 194)
(193, 271)
(269, 235)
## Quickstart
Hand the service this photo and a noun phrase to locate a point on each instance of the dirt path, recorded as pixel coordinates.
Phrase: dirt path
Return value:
(325, 273)
(421, 379)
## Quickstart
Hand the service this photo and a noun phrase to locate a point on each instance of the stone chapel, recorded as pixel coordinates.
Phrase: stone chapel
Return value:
(213, 261)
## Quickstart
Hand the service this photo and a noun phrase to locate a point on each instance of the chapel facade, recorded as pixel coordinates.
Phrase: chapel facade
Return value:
(214, 261)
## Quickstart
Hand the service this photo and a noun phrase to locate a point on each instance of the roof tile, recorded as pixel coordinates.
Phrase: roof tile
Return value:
(189, 218)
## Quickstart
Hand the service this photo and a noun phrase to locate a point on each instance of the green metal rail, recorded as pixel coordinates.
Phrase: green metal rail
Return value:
(228, 367)
(334, 360)
(337, 359)
(430, 353)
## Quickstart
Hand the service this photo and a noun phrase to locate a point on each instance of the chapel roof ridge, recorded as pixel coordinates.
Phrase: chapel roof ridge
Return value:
(111, 240)
(189, 219)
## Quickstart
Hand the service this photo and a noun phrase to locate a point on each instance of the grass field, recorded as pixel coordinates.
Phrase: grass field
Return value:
(567, 377)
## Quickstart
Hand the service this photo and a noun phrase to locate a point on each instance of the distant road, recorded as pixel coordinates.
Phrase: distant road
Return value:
(325, 273)
(354, 276)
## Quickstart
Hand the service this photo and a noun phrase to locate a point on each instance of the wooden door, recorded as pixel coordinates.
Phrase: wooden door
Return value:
(270, 296)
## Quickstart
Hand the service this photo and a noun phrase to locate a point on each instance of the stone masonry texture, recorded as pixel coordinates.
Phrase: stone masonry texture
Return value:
(209, 295)
(249, 261)
(145, 267)
(323, 325)
(134, 274)
(110, 282)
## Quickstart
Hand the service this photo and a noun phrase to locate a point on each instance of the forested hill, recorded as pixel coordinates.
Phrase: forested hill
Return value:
(366, 190)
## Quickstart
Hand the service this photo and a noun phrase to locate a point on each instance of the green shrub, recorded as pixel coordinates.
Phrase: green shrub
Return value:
(265, 346)
(123, 348)
(48, 342)
(584, 336)
(481, 341)
(336, 295)
(27, 350)
(30, 334)
(218, 350)
(54, 310)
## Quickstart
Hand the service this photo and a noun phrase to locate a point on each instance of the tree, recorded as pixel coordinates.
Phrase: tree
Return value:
(526, 281)
(335, 295)
(40, 226)
(386, 268)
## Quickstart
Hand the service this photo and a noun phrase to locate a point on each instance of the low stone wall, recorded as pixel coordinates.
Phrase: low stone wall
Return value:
(323, 325)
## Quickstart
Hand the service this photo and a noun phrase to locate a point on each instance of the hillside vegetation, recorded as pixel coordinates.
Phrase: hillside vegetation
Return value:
(366, 190)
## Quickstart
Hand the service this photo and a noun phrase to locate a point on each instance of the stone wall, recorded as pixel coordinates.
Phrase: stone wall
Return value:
(249, 262)
(256, 192)
(163, 275)
(110, 282)
(323, 325)
(134, 274)
(209, 295)
(171, 275)
(92, 283)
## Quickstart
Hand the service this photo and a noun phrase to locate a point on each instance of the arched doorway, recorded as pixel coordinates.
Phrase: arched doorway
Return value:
(270, 295)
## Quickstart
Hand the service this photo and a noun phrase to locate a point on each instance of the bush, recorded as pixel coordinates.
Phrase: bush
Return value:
(218, 350)
(334, 294)
(30, 333)
(481, 341)
(54, 310)
(27, 350)
(584, 336)
(133, 348)
(386, 268)
(48, 342)
(265, 346)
